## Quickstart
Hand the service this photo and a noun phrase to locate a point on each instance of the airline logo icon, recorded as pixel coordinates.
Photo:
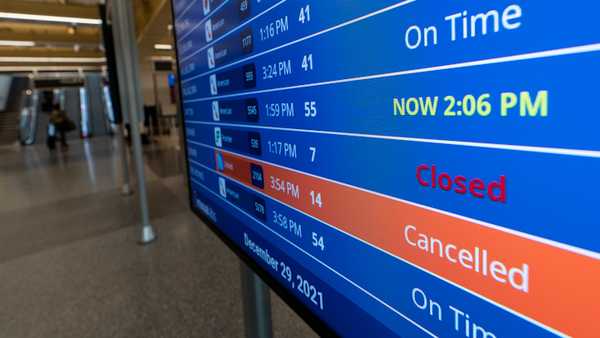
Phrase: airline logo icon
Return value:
(220, 162)
(208, 31)
(215, 111)
(218, 137)
(210, 53)
(222, 187)
(206, 6)
(213, 84)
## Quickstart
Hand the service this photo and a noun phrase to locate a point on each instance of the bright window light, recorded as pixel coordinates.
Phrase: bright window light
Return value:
(161, 58)
(49, 18)
(17, 43)
(162, 46)
(20, 59)
(36, 68)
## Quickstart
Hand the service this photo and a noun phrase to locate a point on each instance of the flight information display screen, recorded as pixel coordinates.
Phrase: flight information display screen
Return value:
(412, 168)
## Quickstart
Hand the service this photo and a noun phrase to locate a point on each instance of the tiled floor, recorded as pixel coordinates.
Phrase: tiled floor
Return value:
(70, 265)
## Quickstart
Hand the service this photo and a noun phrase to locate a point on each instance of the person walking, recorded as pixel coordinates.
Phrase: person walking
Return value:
(61, 125)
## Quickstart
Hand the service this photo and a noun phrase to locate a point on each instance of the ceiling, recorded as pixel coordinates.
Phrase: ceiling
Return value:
(152, 24)
(74, 42)
(68, 2)
(65, 43)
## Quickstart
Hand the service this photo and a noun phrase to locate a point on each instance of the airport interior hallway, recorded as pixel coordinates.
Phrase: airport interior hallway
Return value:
(70, 265)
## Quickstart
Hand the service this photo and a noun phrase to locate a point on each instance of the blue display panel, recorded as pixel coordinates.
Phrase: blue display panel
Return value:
(405, 168)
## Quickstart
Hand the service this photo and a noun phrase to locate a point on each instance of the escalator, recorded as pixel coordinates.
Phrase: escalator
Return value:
(28, 119)
(86, 101)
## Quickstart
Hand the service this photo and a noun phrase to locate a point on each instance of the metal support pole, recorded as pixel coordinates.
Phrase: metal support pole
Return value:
(131, 94)
(257, 304)
(113, 95)
(126, 189)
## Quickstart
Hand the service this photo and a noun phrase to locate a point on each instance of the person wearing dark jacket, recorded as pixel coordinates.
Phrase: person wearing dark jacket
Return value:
(62, 124)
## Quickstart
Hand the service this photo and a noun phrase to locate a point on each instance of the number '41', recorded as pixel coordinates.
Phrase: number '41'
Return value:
(304, 15)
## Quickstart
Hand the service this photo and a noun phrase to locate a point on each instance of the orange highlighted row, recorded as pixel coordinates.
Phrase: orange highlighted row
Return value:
(555, 287)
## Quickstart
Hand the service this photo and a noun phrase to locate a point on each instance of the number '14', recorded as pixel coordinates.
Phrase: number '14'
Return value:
(315, 199)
